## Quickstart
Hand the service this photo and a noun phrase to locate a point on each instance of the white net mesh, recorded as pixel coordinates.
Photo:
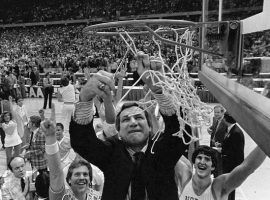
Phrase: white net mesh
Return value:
(176, 82)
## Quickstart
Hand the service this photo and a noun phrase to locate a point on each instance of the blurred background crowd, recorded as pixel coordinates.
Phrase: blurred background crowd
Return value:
(62, 47)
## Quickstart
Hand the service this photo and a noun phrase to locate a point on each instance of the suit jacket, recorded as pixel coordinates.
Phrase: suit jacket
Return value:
(37, 149)
(233, 149)
(219, 131)
(116, 163)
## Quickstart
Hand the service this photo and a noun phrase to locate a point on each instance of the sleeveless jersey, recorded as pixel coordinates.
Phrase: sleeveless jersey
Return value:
(189, 194)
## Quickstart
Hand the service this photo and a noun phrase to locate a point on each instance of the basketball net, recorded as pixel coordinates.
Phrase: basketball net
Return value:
(178, 86)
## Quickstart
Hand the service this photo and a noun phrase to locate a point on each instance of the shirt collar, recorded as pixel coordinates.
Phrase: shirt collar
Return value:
(35, 131)
(132, 152)
(230, 127)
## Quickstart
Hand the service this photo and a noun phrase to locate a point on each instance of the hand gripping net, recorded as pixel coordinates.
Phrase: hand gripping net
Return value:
(179, 86)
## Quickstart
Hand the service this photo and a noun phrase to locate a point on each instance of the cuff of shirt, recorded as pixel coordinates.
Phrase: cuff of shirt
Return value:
(166, 105)
(83, 113)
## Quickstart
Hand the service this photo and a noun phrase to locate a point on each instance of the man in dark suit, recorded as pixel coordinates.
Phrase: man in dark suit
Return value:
(219, 127)
(218, 131)
(134, 166)
(232, 147)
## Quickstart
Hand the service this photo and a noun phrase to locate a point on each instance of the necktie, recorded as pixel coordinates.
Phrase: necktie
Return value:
(31, 138)
(22, 184)
(137, 183)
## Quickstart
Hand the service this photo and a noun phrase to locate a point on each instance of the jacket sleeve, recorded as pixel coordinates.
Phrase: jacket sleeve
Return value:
(239, 144)
(84, 141)
(170, 147)
(40, 144)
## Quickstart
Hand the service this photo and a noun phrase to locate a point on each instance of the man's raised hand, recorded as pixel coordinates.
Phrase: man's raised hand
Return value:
(145, 63)
(97, 84)
(48, 127)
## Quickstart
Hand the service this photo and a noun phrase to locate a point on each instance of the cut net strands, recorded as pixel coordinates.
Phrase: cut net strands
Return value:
(179, 86)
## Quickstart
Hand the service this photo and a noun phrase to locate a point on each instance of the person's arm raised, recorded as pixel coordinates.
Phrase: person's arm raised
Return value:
(52, 117)
(106, 95)
(236, 177)
(90, 148)
(53, 156)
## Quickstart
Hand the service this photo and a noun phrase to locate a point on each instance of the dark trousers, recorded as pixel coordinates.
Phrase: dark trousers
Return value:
(2, 134)
(48, 91)
(7, 93)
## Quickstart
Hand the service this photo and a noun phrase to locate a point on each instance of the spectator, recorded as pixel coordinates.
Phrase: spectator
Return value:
(232, 148)
(20, 117)
(32, 76)
(12, 138)
(66, 94)
(48, 90)
(42, 184)
(79, 172)
(35, 153)
(16, 185)
(36, 72)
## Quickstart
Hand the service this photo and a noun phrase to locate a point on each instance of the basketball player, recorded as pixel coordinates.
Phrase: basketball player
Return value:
(201, 186)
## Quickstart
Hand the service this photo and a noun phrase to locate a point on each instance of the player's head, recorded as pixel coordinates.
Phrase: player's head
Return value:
(203, 157)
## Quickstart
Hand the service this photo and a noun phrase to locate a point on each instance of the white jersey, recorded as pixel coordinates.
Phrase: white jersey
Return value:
(189, 194)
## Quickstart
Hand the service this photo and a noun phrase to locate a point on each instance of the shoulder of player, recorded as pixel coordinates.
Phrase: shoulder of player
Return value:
(218, 186)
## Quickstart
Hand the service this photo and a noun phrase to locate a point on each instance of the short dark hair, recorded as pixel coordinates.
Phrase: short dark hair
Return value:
(11, 159)
(76, 164)
(64, 81)
(61, 125)
(206, 150)
(17, 99)
(128, 105)
(3, 114)
(36, 120)
(42, 184)
(228, 118)
(221, 108)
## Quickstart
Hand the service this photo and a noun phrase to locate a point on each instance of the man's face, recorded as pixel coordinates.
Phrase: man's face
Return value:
(79, 180)
(59, 133)
(134, 129)
(218, 114)
(41, 113)
(20, 102)
(18, 167)
(203, 165)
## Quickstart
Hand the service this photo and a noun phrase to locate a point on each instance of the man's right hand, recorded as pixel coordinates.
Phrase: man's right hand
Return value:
(95, 86)
(48, 127)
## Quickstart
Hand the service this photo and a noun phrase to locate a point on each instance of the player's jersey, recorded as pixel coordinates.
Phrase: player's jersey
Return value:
(189, 194)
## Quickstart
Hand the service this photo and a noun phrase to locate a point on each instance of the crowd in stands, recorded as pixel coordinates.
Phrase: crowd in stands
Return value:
(257, 44)
(13, 11)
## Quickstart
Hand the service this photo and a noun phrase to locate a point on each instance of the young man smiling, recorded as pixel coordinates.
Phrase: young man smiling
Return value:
(79, 175)
(201, 186)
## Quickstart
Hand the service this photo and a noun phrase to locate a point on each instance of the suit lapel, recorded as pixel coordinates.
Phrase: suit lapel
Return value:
(231, 131)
